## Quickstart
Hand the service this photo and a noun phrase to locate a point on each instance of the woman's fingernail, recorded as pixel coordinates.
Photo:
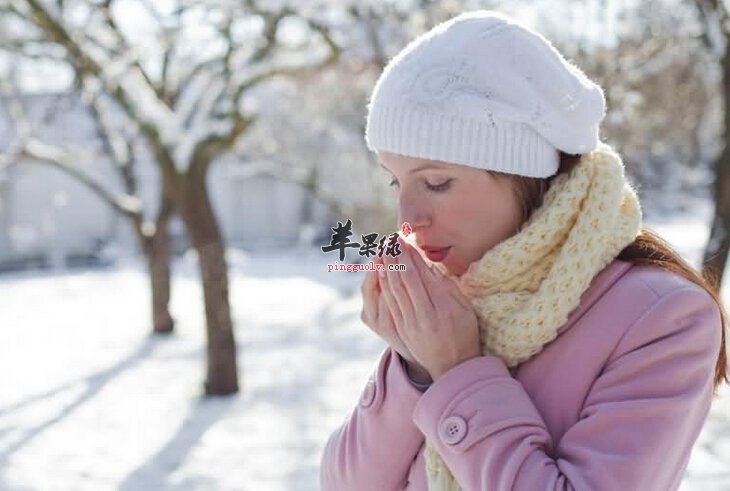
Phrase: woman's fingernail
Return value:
(381, 273)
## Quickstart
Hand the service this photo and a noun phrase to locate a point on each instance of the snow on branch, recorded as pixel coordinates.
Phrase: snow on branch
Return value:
(202, 114)
(129, 87)
(66, 160)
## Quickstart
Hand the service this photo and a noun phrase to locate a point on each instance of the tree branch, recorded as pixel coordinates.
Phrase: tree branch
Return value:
(111, 24)
(714, 16)
(86, 66)
(129, 206)
(271, 26)
(116, 145)
(332, 58)
(213, 146)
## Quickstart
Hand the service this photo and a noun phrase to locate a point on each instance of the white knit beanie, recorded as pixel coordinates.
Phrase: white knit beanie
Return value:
(485, 91)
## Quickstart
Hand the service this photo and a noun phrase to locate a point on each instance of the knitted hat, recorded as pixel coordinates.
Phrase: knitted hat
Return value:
(485, 91)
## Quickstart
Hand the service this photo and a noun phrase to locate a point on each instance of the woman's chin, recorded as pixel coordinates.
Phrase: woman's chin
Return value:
(454, 268)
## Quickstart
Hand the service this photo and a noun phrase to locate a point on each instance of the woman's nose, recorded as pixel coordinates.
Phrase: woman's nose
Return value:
(415, 213)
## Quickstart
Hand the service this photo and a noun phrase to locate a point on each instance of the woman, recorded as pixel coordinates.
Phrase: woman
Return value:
(539, 337)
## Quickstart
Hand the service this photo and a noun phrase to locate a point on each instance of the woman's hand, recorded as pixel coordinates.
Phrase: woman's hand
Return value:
(376, 315)
(434, 319)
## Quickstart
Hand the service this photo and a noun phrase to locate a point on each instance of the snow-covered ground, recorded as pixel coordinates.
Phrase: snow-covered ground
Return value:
(89, 401)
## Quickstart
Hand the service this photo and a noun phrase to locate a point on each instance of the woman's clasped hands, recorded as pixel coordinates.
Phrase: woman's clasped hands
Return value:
(420, 313)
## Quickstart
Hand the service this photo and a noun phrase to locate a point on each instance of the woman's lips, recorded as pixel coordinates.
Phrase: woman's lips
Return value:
(437, 255)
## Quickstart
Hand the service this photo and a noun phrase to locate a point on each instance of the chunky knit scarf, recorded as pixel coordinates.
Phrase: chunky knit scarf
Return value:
(524, 287)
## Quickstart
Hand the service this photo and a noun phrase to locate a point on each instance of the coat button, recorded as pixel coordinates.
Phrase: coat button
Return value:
(453, 430)
(368, 395)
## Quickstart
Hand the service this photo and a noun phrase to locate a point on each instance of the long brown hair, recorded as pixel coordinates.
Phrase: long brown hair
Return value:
(647, 249)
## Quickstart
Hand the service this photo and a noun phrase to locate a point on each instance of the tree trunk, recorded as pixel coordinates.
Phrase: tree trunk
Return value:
(205, 235)
(716, 251)
(158, 260)
(156, 250)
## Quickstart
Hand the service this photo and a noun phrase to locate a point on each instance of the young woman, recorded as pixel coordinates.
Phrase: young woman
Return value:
(539, 338)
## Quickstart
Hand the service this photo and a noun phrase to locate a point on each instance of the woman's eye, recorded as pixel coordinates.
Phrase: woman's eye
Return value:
(439, 187)
(393, 182)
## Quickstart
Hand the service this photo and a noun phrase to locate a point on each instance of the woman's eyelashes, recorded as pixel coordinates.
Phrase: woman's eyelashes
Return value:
(431, 187)
(439, 187)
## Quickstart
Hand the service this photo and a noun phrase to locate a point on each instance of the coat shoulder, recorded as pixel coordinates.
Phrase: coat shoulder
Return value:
(665, 303)
(661, 282)
(623, 293)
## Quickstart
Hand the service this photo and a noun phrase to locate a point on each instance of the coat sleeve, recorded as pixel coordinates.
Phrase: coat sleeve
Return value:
(636, 428)
(378, 442)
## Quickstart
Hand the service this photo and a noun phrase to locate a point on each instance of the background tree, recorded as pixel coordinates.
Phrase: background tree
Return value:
(716, 32)
(183, 84)
(151, 233)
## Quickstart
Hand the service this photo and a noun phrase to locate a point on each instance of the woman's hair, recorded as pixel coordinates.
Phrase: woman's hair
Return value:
(647, 249)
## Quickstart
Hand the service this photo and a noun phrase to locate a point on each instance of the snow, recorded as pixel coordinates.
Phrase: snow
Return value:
(89, 401)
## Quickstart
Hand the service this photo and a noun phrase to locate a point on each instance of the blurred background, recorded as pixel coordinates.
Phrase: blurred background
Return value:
(169, 170)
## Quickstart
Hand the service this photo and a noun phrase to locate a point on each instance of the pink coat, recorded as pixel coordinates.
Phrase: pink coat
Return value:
(615, 402)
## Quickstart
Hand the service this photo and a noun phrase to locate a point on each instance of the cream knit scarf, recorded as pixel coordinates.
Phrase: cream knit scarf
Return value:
(524, 288)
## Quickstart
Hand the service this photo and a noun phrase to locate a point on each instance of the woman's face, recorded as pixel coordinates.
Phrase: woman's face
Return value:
(461, 210)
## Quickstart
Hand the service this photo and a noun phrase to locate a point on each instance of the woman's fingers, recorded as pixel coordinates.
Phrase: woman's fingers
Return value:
(398, 290)
(389, 297)
(446, 293)
(413, 281)
(385, 316)
(432, 276)
(377, 315)
(454, 289)
(368, 288)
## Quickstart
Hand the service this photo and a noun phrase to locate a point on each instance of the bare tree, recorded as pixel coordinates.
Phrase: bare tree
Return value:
(187, 103)
(151, 234)
(714, 15)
